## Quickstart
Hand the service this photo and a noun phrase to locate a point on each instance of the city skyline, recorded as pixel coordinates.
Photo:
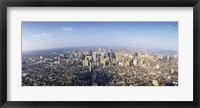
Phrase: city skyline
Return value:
(51, 35)
(100, 67)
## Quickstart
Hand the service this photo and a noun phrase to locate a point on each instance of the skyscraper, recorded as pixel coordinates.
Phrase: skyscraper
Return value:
(85, 62)
(94, 55)
(90, 53)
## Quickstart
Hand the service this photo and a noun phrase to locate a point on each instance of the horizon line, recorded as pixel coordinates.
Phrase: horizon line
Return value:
(97, 46)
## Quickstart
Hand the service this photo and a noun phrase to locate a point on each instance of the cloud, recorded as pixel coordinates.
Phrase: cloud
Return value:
(42, 35)
(67, 29)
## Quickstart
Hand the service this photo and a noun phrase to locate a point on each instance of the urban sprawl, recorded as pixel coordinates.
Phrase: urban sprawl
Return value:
(100, 66)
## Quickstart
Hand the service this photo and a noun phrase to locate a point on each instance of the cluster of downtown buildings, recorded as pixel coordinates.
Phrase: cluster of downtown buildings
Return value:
(99, 67)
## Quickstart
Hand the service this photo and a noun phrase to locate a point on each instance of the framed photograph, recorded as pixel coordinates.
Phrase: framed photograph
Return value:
(73, 53)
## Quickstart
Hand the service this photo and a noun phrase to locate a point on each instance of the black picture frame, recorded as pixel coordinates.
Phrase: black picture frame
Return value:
(99, 3)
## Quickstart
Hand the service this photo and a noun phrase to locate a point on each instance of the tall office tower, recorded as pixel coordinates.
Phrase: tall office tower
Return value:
(113, 55)
(110, 54)
(94, 55)
(90, 52)
(85, 62)
(117, 57)
(90, 66)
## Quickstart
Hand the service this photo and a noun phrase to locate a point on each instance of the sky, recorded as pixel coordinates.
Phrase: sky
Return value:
(48, 35)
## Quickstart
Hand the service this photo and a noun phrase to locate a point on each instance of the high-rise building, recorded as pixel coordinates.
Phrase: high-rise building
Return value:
(135, 62)
(110, 53)
(85, 63)
(90, 53)
(90, 66)
(94, 55)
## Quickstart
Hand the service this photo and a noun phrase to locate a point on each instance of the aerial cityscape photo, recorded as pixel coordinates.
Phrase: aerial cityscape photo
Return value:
(99, 54)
